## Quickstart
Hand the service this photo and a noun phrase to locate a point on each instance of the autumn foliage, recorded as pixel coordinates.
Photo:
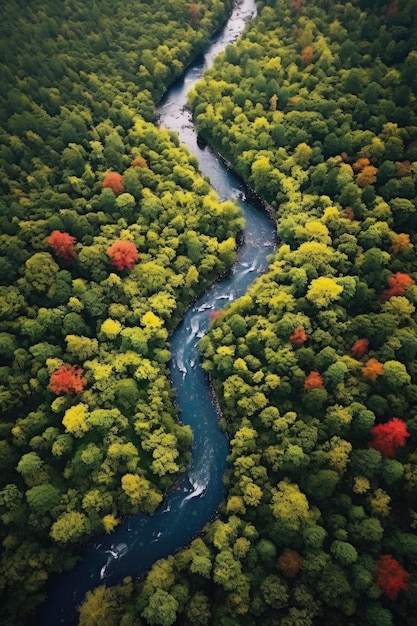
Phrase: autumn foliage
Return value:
(313, 381)
(114, 181)
(389, 436)
(194, 13)
(67, 379)
(398, 283)
(307, 55)
(349, 213)
(298, 337)
(298, 5)
(359, 348)
(123, 254)
(360, 164)
(399, 243)
(367, 176)
(289, 562)
(63, 246)
(372, 369)
(139, 161)
(390, 576)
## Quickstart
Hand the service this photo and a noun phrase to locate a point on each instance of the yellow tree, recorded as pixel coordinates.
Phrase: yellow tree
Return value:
(323, 291)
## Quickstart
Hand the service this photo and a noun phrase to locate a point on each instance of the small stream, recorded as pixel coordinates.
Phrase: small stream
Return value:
(143, 539)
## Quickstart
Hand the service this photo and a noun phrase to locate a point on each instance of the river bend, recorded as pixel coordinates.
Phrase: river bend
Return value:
(143, 539)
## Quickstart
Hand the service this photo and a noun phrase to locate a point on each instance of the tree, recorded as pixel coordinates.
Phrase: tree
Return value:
(389, 436)
(75, 420)
(372, 369)
(367, 176)
(274, 591)
(123, 254)
(98, 608)
(289, 506)
(307, 55)
(298, 337)
(63, 246)
(323, 291)
(290, 562)
(70, 527)
(390, 576)
(43, 498)
(67, 379)
(398, 283)
(359, 348)
(114, 181)
(313, 381)
(162, 608)
(400, 242)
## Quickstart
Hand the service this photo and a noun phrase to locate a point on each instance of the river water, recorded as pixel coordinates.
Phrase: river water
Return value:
(143, 539)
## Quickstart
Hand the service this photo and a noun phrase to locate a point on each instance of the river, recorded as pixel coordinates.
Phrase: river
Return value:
(143, 539)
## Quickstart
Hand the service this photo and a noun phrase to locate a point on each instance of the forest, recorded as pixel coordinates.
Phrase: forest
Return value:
(108, 231)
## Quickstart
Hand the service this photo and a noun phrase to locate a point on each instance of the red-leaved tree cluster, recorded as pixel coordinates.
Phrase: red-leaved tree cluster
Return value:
(298, 337)
(123, 254)
(390, 576)
(359, 348)
(67, 379)
(114, 181)
(389, 436)
(398, 283)
(63, 246)
(314, 381)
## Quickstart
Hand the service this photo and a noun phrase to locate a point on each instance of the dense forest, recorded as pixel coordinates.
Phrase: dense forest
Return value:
(108, 231)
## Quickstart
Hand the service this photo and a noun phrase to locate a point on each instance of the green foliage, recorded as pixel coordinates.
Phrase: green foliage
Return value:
(77, 102)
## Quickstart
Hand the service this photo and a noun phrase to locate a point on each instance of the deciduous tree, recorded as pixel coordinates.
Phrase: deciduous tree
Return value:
(123, 254)
(67, 379)
(389, 436)
(63, 246)
(114, 181)
(390, 576)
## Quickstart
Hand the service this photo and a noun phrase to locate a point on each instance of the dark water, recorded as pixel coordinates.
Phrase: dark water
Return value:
(141, 540)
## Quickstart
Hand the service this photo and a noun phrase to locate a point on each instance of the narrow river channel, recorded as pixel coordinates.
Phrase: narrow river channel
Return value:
(143, 539)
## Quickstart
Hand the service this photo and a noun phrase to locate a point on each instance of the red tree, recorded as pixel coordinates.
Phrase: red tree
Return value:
(123, 254)
(67, 379)
(63, 246)
(298, 337)
(398, 283)
(114, 181)
(389, 436)
(390, 576)
(313, 381)
(359, 348)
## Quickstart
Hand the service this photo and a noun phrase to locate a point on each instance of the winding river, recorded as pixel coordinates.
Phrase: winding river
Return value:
(141, 540)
